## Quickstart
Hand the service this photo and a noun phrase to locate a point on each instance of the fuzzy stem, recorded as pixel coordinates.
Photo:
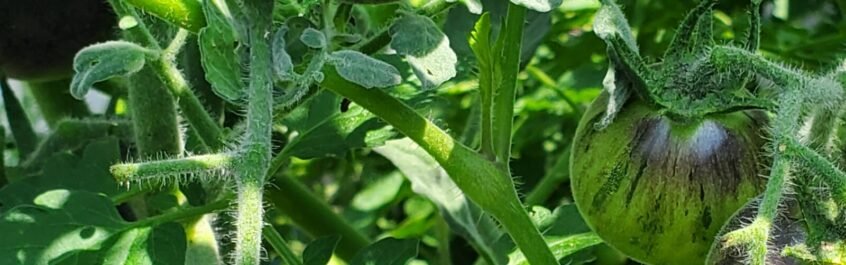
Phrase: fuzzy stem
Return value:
(22, 132)
(154, 116)
(482, 181)
(187, 14)
(753, 34)
(55, 102)
(280, 245)
(290, 197)
(507, 59)
(154, 170)
(256, 146)
(832, 175)
(165, 68)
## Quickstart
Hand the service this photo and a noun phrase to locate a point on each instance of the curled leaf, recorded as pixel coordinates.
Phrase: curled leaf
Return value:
(102, 61)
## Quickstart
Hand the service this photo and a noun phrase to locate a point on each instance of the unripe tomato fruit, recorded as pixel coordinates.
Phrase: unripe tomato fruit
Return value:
(659, 190)
(39, 38)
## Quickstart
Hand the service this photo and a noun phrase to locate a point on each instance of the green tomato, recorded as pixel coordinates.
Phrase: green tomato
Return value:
(40, 37)
(658, 189)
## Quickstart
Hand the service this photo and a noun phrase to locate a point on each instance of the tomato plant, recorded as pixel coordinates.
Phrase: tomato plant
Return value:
(421, 132)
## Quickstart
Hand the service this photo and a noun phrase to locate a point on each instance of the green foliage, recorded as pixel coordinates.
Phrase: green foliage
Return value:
(393, 132)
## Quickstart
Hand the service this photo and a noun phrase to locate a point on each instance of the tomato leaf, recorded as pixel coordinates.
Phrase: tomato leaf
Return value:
(388, 251)
(364, 70)
(218, 43)
(319, 251)
(426, 49)
(429, 180)
(539, 5)
(90, 172)
(80, 227)
(103, 61)
(474, 6)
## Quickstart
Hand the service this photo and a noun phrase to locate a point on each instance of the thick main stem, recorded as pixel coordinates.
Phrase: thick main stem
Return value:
(256, 146)
(483, 182)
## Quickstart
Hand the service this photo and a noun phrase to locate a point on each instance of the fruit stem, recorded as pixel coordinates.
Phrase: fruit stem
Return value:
(833, 176)
(22, 132)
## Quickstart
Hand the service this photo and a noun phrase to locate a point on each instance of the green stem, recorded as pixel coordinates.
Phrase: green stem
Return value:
(182, 214)
(833, 176)
(55, 102)
(22, 131)
(201, 165)
(290, 197)
(553, 178)
(185, 14)
(256, 146)
(507, 59)
(166, 70)
(482, 181)
(154, 116)
(278, 243)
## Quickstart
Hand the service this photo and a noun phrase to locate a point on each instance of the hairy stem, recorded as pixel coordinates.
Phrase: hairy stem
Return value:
(165, 68)
(833, 176)
(22, 132)
(157, 170)
(482, 181)
(186, 14)
(256, 146)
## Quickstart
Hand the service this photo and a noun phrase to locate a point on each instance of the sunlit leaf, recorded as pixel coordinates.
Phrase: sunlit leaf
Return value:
(364, 70)
(426, 48)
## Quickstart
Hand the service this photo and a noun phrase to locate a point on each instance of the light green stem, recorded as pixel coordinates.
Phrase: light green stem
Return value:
(482, 181)
(256, 146)
(158, 170)
(182, 214)
(504, 92)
